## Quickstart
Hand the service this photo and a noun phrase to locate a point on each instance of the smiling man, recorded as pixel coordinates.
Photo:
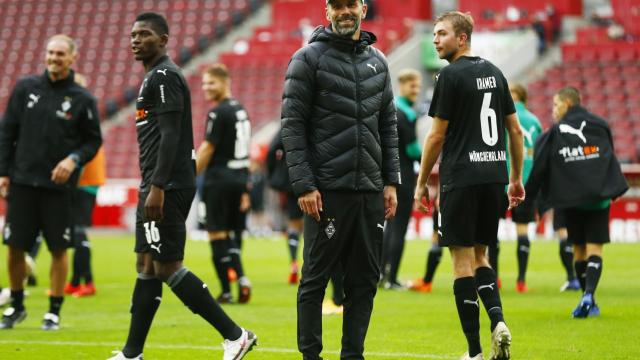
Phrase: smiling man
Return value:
(49, 130)
(471, 109)
(165, 138)
(341, 142)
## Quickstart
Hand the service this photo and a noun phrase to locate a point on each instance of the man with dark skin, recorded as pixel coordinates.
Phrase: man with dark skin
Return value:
(165, 137)
(42, 143)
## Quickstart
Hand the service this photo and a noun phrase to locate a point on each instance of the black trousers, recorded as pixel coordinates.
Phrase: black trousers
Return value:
(350, 233)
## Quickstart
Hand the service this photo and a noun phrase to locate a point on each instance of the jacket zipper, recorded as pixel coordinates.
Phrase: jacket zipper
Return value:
(355, 71)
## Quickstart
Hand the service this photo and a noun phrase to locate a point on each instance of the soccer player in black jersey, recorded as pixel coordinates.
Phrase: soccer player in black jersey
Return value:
(224, 156)
(165, 138)
(471, 108)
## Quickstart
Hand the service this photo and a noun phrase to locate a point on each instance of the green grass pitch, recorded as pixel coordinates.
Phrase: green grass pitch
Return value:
(404, 325)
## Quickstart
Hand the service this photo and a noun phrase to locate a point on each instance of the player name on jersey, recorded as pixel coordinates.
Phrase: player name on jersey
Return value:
(486, 83)
(487, 156)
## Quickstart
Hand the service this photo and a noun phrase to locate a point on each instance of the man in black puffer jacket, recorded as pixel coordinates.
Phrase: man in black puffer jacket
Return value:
(340, 136)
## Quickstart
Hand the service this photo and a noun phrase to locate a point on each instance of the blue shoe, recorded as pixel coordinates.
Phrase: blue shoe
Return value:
(583, 308)
(572, 285)
(594, 311)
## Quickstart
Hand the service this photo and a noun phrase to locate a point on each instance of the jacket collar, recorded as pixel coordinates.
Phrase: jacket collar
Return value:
(69, 80)
(326, 34)
(573, 111)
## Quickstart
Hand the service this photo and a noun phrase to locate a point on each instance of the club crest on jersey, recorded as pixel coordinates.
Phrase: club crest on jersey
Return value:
(330, 230)
(65, 107)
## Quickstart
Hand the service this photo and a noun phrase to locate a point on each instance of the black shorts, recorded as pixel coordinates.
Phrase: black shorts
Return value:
(295, 213)
(222, 203)
(470, 215)
(524, 213)
(559, 220)
(164, 239)
(587, 226)
(31, 210)
(83, 203)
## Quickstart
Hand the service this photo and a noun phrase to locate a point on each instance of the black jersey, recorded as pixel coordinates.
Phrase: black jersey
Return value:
(473, 96)
(229, 131)
(165, 90)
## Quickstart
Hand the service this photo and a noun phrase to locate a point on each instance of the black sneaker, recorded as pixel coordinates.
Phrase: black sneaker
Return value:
(51, 322)
(11, 316)
(32, 280)
(394, 286)
(225, 298)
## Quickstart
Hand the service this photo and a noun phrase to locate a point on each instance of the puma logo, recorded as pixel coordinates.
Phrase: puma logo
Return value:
(564, 128)
(374, 67)
(529, 134)
(34, 100)
(163, 72)
(156, 248)
(471, 302)
(380, 226)
(593, 265)
(490, 286)
(204, 286)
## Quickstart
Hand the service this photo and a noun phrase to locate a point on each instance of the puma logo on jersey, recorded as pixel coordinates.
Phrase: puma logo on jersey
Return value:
(163, 72)
(34, 100)
(374, 67)
(380, 226)
(567, 129)
(490, 286)
(529, 134)
(471, 302)
(156, 248)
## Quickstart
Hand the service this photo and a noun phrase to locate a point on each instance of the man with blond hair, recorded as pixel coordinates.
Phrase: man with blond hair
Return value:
(471, 109)
(49, 131)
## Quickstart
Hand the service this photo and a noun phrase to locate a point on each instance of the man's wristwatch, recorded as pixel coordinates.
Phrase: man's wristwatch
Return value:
(76, 158)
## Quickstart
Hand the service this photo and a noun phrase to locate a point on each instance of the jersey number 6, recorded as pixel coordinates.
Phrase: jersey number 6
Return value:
(488, 121)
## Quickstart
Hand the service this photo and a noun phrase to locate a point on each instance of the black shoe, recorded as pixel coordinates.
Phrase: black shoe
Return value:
(225, 298)
(11, 316)
(32, 281)
(51, 322)
(394, 286)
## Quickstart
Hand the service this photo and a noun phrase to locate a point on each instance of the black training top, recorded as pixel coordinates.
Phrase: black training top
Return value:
(46, 121)
(164, 93)
(229, 131)
(473, 96)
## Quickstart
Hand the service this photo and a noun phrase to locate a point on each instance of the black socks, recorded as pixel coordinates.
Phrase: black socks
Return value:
(469, 312)
(594, 270)
(523, 256)
(147, 295)
(433, 260)
(195, 295)
(221, 262)
(581, 273)
(234, 253)
(494, 253)
(293, 241)
(487, 287)
(81, 258)
(55, 303)
(17, 299)
(566, 256)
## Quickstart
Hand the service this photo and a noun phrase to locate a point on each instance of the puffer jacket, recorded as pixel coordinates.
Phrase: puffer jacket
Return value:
(339, 125)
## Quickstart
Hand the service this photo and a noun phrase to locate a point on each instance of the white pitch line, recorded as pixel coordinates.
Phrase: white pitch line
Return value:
(215, 348)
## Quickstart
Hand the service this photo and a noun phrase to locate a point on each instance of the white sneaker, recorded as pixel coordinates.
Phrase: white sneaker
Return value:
(467, 357)
(120, 356)
(500, 342)
(237, 349)
(5, 296)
